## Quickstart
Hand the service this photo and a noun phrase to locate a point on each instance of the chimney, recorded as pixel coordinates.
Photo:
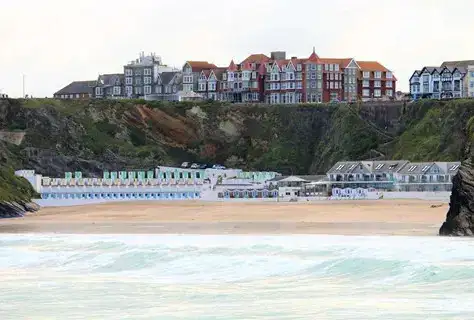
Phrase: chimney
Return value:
(294, 57)
(278, 55)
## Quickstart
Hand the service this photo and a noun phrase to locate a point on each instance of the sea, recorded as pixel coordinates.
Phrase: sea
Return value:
(48, 276)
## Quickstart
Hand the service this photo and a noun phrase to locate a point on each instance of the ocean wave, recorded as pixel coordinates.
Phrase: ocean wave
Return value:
(284, 277)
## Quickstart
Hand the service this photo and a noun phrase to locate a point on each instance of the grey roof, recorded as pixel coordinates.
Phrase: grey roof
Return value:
(457, 64)
(345, 167)
(111, 79)
(430, 168)
(166, 77)
(78, 87)
(367, 167)
(430, 69)
(387, 166)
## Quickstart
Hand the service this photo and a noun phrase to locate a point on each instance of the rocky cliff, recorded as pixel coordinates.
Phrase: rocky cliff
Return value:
(460, 217)
(15, 194)
(95, 135)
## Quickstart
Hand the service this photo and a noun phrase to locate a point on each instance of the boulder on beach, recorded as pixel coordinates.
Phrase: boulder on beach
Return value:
(460, 217)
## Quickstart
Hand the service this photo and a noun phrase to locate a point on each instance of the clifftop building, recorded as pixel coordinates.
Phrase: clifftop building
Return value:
(273, 79)
(453, 79)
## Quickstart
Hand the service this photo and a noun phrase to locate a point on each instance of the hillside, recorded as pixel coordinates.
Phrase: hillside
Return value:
(95, 135)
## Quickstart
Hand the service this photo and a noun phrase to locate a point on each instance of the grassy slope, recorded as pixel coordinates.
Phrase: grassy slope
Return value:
(95, 135)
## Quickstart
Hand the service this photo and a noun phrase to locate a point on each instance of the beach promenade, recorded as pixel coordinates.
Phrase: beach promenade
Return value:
(359, 217)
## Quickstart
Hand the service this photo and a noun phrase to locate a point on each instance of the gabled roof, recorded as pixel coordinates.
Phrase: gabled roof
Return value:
(110, 79)
(232, 66)
(78, 87)
(371, 66)
(198, 66)
(313, 57)
(218, 72)
(430, 69)
(415, 73)
(257, 58)
(167, 77)
(246, 66)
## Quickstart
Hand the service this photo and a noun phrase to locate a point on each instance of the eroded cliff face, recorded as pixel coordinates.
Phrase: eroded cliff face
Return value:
(460, 217)
(95, 135)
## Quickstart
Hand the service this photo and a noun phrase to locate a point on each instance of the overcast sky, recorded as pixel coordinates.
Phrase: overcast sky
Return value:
(54, 42)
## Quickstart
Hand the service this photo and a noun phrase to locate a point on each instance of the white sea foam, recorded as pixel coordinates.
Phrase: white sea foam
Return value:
(235, 277)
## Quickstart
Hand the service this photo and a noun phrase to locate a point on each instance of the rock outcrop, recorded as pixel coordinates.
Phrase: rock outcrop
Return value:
(17, 209)
(460, 217)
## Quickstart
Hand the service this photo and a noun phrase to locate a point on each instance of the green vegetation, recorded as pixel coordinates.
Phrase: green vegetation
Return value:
(95, 135)
(13, 188)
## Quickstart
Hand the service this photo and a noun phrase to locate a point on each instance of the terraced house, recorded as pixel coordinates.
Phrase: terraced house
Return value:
(393, 175)
(450, 80)
(273, 79)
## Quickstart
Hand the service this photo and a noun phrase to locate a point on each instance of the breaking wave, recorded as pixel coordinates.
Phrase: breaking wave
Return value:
(225, 276)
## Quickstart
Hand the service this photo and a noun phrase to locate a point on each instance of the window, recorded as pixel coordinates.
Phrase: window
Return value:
(378, 75)
(299, 85)
(202, 87)
(326, 67)
(77, 95)
(298, 67)
(138, 81)
(336, 67)
(128, 81)
(377, 84)
(147, 72)
(388, 84)
(331, 67)
(313, 84)
(128, 90)
(366, 93)
(331, 76)
(366, 83)
(168, 89)
(128, 72)
(299, 76)
(116, 91)
(138, 90)
(388, 75)
(147, 80)
(389, 93)
(313, 67)
(138, 72)
(98, 91)
(320, 84)
(336, 85)
(331, 85)
(313, 75)
(147, 89)
(366, 74)
(377, 93)
(158, 89)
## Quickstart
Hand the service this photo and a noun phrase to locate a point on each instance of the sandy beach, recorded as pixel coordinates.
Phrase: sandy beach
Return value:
(381, 217)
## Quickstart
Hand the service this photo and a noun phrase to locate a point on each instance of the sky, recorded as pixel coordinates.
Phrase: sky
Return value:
(54, 42)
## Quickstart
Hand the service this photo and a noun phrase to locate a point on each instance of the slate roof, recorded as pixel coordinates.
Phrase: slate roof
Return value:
(417, 168)
(77, 87)
(366, 167)
(458, 64)
(108, 80)
(166, 77)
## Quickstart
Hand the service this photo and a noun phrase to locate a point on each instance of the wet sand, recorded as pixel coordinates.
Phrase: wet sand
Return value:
(362, 217)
